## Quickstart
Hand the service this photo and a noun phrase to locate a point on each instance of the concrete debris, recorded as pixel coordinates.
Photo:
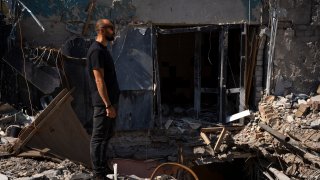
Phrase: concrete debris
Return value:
(30, 169)
(3, 177)
(302, 110)
(299, 155)
(12, 119)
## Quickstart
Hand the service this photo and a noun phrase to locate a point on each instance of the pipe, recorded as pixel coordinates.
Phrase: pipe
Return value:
(278, 174)
(274, 132)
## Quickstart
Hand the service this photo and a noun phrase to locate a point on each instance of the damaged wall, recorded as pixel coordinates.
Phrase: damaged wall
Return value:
(296, 63)
(62, 19)
(65, 20)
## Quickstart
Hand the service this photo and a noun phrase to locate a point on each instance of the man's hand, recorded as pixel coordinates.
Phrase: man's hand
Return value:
(111, 112)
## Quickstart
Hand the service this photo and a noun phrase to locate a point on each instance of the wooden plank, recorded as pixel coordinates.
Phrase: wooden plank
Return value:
(238, 116)
(211, 129)
(214, 129)
(205, 138)
(220, 139)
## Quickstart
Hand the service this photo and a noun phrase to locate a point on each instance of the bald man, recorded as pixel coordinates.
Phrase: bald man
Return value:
(105, 92)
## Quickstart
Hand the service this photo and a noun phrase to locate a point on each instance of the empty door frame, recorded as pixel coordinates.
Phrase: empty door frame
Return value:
(223, 52)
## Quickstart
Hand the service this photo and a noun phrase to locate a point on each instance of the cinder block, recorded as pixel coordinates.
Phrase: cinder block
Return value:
(315, 106)
(303, 110)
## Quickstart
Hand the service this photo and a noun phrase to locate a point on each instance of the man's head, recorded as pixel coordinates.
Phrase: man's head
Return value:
(105, 28)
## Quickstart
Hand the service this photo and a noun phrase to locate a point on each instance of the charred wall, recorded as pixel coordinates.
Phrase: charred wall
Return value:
(296, 63)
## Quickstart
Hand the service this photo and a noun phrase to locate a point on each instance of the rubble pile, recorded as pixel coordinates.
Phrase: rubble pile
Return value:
(12, 121)
(285, 131)
(27, 169)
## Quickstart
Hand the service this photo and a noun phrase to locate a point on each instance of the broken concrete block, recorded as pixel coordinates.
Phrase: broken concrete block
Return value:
(287, 105)
(259, 135)
(290, 118)
(269, 99)
(315, 98)
(315, 105)
(267, 114)
(264, 110)
(318, 90)
(78, 176)
(302, 110)
(52, 173)
(3, 177)
(315, 123)
(302, 101)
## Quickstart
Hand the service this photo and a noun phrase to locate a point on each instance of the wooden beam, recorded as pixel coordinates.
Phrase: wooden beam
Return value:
(211, 129)
(220, 139)
(214, 129)
(238, 116)
(205, 138)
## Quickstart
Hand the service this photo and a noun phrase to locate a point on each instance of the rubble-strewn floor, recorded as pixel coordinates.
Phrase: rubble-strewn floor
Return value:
(24, 168)
(296, 117)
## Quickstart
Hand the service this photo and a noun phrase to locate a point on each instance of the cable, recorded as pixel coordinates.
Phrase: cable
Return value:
(58, 53)
(209, 49)
(24, 69)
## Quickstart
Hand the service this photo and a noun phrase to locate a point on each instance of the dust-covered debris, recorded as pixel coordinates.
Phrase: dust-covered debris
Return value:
(297, 117)
(24, 168)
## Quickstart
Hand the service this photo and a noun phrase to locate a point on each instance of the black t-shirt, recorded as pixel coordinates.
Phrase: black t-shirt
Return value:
(98, 56)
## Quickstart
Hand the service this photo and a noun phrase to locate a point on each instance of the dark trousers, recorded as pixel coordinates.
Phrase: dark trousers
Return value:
(103, 130)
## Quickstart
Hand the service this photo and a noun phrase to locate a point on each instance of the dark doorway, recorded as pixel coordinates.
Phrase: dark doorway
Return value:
(177, 52)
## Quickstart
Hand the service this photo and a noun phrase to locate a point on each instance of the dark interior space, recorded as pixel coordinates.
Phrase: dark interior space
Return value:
(176, 56)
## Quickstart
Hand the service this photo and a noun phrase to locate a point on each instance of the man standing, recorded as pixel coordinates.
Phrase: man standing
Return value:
(104, 91)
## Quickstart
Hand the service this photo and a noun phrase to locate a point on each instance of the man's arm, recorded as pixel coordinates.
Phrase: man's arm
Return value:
(101, 86)
(103, 92)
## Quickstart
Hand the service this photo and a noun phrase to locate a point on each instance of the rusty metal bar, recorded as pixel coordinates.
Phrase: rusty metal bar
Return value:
(274, 132)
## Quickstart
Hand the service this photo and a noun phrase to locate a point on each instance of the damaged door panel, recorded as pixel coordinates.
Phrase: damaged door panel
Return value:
(132, 54)
(135, 110)
(58, 131)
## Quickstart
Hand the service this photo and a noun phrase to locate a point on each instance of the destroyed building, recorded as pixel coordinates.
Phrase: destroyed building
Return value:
(215, 85)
